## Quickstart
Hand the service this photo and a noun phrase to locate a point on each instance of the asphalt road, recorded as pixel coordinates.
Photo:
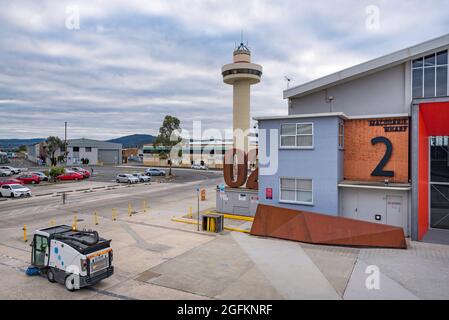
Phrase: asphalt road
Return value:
(109, 173)
(23, 211)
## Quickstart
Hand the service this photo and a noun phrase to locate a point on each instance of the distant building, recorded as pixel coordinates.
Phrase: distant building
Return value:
(130, 153)
(208, 152)
(97, 152)
(94, 151)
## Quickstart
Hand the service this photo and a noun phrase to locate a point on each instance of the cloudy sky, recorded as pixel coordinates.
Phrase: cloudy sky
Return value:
(131, 62)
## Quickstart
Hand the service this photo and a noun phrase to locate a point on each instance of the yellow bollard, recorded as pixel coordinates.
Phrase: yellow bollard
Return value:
(96, 218)
(24, 233)
(144, 205)
(114, 214)
(190, 212)
(52, 222)
(75, 222)
(130, 209)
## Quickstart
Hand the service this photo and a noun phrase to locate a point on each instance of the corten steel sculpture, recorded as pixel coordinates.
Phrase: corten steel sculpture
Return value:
(316, 228)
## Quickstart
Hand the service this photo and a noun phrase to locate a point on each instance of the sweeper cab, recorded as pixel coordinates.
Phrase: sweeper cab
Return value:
(72, 257)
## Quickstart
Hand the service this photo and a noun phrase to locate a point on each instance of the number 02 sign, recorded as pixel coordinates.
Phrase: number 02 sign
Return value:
(235, 169)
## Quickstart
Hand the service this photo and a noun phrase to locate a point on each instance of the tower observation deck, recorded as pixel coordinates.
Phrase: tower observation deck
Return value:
(241, 74)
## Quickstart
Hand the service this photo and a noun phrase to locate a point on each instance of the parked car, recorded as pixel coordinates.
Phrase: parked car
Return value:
(127, 178)
(70, 175)
(14, 191)
(198, 167)
(29, 178)
(83, 171)
(5, 173)
(142, 177)
(41, 176)
(10, 181)
(154, 172)
(12, 169)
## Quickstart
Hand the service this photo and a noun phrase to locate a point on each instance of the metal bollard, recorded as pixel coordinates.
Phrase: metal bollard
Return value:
(96, 218)
(24, 233)
(63, 197)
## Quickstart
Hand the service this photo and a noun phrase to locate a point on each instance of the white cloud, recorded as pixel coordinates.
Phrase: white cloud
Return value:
(134, 61)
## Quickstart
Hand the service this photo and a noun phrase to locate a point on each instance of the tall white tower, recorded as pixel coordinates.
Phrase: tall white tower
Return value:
(241, 74)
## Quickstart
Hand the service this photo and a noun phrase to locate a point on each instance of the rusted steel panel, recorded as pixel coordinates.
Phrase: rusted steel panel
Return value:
(317, 228)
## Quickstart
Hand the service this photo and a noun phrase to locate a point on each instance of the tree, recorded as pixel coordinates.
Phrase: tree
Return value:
(169, 136)
(22, 149)
(53, 145)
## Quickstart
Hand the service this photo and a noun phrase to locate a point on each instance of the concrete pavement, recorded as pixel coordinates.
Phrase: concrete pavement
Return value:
(156, 258)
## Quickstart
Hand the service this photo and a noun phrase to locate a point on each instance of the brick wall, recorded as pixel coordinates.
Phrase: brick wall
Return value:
(361, 157)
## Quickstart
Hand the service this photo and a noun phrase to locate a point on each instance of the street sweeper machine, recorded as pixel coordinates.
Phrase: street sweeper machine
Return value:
(74, 258)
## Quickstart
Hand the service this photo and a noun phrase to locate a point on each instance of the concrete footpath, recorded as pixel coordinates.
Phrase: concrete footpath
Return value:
(157, 258)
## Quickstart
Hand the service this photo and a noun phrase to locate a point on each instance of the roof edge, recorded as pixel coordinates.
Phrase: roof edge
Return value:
(388, 60)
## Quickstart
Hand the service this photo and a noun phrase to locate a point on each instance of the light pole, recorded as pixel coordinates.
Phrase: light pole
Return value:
(65, 142)
(198, 199)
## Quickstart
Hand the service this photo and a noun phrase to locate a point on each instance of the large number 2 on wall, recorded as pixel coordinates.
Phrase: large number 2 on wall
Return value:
(379, 170)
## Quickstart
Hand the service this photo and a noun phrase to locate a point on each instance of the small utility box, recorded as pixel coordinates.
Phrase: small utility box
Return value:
(213, 223)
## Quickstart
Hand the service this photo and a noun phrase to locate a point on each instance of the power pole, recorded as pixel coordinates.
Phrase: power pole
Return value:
(65, 142)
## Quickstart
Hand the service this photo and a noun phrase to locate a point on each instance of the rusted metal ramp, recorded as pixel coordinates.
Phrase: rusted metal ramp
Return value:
(317, 228)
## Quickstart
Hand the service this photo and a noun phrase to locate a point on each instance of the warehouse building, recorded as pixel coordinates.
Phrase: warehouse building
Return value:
(369, 143)
(96, 152)
(90, 151)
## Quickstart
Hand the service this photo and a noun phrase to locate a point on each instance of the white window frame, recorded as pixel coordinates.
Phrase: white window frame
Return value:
(296, 136)
(296, 191)
(341, 124)
(435, 75)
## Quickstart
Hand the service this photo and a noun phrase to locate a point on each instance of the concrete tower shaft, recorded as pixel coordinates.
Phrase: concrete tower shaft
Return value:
(241, 74)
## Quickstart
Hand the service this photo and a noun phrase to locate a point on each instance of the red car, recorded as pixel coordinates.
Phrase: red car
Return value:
(29, 178)
(84, 172)
(70, 175)
(10, 181)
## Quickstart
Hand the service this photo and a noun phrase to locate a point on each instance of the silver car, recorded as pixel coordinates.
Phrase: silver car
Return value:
(126, 178)
(13, 170)
(5, 173)
(142, 177)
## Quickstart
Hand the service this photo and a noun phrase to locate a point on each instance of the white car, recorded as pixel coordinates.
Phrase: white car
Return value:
(14, 191)
(142, 177)
(13, 170)
(198, 167)
(127, 178)
(5, 173)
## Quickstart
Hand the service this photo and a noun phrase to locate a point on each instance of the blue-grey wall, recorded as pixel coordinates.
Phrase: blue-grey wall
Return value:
(323, 164)
(384, 92)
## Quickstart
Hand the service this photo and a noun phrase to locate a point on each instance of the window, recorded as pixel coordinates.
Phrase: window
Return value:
(76, 149)
(296, 190)
(88, 149)
(429, 75)
(341, 135)
(297, 135)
